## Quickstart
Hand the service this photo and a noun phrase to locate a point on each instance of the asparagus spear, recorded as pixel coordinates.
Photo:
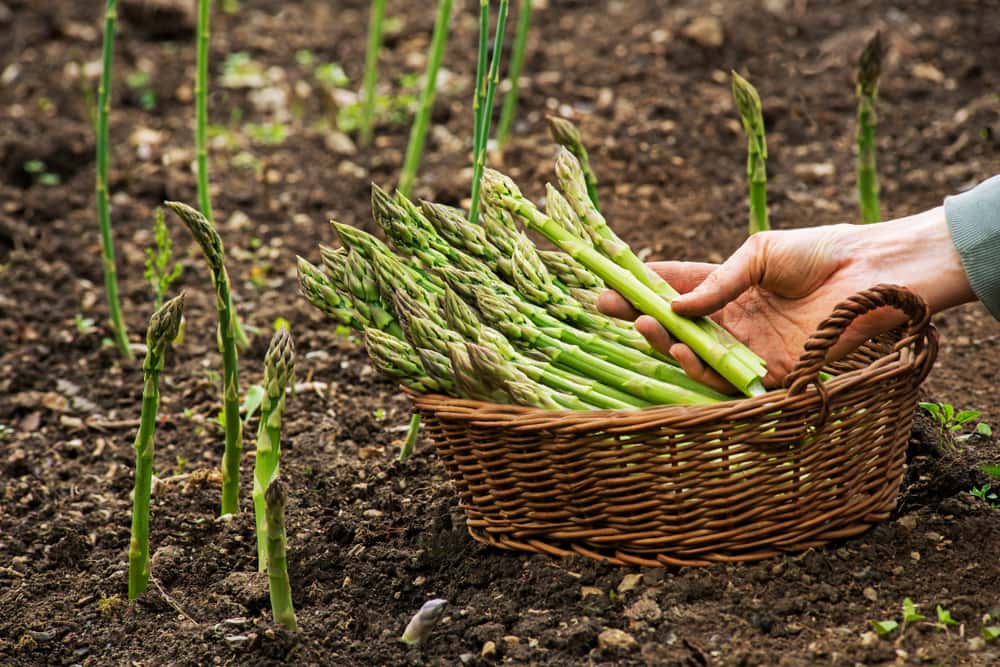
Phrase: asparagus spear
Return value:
(279, 365)
(412, 433)
(116, 320)
(277, 563)
(485, 112)
(748, 104)
(516, 62)
(568, 136)
(718, 349)
(398, 359)
(371, 70)
(163, 327)
(211, 245)
(869, 69)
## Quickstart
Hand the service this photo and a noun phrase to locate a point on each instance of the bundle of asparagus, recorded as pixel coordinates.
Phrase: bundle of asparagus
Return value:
(475, 310)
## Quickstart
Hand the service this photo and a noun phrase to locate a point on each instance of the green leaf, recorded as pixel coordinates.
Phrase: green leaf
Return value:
(991, 632)
(252, 401)
(944, 617)
(884, 627)
(982, 428)
(991, 469)
(933, 408)
(967, 415)
(948, 410)
(910, 612)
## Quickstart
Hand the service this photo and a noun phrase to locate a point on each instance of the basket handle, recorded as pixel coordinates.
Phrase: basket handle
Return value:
(828, 332)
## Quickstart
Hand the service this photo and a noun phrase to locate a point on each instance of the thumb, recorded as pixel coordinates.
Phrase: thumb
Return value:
(735, 276)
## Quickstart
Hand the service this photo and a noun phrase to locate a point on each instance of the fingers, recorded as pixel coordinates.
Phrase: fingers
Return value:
(692, 366)
(613, 304)
(741, 271)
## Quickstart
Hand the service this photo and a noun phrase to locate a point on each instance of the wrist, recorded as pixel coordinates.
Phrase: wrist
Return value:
(917, 252)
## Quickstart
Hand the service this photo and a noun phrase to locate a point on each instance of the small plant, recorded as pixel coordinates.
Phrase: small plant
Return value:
(211, 245)
(138, 82)
(163, 327)
(109, 605)
(991, 632)
(951, 421)
(748, 104)
(910, 616)
(568, 136)
(159, 274)
(277, 564)
(40, 174)
(371, 70)
(986, 494)
(516, 63)
(117, 322)
(418, 132)
(869, 69)
(85, 325)
(279, 366)
(378, 414)
(482, 103)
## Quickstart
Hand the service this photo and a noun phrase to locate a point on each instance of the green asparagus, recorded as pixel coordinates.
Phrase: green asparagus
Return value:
(279, 586)
(869, 69)
(748, 104)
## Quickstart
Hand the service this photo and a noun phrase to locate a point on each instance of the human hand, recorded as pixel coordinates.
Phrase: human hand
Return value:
(776, 288)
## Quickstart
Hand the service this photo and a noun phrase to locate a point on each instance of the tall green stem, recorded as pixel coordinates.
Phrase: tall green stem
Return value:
(516, 62)
(479, 87)
(279, 585)
(211, 245)
(163, 327)
(279, 365)
(371, 69)
(116, 321)
(869, 69)
(418, 132)
(485, 113)
(201, 108)
(748, 103)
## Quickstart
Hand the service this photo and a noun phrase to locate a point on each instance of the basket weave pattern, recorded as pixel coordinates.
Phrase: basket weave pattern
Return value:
(694, 485)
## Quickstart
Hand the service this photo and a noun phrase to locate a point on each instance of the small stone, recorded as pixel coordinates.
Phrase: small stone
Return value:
(977, 644)
(489, 649)
(870, 594)
(869, 639)
(705, 31)
(915, 555)
(237, 640)
(613, 638)
(511, 640)
(339, 143)
(466, 658)
(814, 171)
(909, 521)
(374, 513)
(927, 72)
(933, 537)
(644, 609)
(590, 590)
(629, 582)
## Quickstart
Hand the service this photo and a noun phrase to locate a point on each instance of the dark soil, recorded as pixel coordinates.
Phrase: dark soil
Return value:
(372, 539)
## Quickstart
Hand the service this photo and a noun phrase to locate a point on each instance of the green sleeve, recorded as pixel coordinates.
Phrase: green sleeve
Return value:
(974, 223)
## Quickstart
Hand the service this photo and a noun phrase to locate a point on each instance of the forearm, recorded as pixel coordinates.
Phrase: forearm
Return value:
(973, 219)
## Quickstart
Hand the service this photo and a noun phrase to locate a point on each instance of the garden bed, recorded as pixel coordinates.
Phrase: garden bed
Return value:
(371, 539)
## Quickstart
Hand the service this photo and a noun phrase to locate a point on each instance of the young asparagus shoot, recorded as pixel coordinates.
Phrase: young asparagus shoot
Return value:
(484, 112)
(279, 586)
(279, 367)
(116, 320)
(163, 327)
(418, 132)
(568, 136)
(211, 245)
(420, 626)
(869, 69)
(159, 274)
(371, 70)
(516, 63)
(719, 350)
(412, 435)
(748, 103)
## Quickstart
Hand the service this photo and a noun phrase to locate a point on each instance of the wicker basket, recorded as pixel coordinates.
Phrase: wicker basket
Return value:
(680, 485)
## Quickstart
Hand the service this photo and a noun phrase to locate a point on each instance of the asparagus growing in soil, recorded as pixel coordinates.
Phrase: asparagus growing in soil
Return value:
(211, 245)
(568, 136)
(420, 626)
(163, 327)
(484, 113)
(371, 70)
(869, 69)
(418, 132)
(116, 321)
(516, 63)
(718, 349)
(279, 586)
(748, 103)
(279, 367)
(412, 434)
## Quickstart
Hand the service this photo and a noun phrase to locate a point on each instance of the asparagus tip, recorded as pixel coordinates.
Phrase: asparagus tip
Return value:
(165, 323)
(563, 131)
(870, 65)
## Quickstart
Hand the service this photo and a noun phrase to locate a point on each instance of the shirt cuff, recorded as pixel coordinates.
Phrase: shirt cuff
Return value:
(974, 223)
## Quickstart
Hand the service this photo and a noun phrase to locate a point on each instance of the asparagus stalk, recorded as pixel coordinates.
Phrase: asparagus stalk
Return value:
(718, 349)
(163, 328)
(516, 63)
(479, 86)
(211, 245)
(201, 108)
(279, 365)
(568, 136)
(412, 434)
(371, 70)
(869, 69)
(485, 111)
(279, 586)
(116, 320)
(748, 104)
(418, 132)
